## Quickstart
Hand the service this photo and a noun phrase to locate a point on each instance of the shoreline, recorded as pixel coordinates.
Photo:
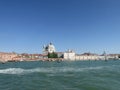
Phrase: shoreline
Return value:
(52, 60)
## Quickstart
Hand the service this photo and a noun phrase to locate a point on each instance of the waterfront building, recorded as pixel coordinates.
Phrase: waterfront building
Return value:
(7, 56)
(69, 55)
(87, 56)
(113, 56)
(26, 56)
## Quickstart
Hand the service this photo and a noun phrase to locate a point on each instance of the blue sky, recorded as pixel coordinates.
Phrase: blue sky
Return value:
(81, 25)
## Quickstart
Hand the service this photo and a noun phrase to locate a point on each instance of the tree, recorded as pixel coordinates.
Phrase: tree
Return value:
(52, 55)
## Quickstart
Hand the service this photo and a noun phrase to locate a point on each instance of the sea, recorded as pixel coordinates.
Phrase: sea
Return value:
(64, 75)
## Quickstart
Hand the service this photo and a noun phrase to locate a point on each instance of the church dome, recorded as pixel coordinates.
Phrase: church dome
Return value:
(49, 48)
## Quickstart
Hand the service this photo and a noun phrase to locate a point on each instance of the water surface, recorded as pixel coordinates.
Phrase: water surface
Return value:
(77, 75)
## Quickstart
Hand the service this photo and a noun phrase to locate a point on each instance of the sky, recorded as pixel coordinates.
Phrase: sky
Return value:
(80, 25)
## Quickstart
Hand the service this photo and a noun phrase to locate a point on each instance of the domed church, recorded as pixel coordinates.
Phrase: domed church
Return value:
(50, 48)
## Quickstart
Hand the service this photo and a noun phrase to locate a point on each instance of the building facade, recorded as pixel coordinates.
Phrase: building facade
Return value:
(69, 55)
(72, 56)
(7, 56)
(50, 48)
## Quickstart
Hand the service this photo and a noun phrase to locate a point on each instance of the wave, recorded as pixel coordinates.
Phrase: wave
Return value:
(47, 70)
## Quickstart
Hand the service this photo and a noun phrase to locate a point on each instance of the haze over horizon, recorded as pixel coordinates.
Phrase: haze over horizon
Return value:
(81, 25)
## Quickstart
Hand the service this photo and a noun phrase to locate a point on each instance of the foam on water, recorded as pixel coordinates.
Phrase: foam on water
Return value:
(48, 70)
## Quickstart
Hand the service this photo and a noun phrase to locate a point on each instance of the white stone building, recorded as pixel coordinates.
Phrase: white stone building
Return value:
(50, 48)
(86, 57)
(69, 55)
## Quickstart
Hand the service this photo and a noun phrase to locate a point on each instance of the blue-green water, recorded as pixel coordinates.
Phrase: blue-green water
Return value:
(78, 75)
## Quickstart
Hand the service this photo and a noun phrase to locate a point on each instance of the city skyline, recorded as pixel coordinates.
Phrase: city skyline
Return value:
(80, 25)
